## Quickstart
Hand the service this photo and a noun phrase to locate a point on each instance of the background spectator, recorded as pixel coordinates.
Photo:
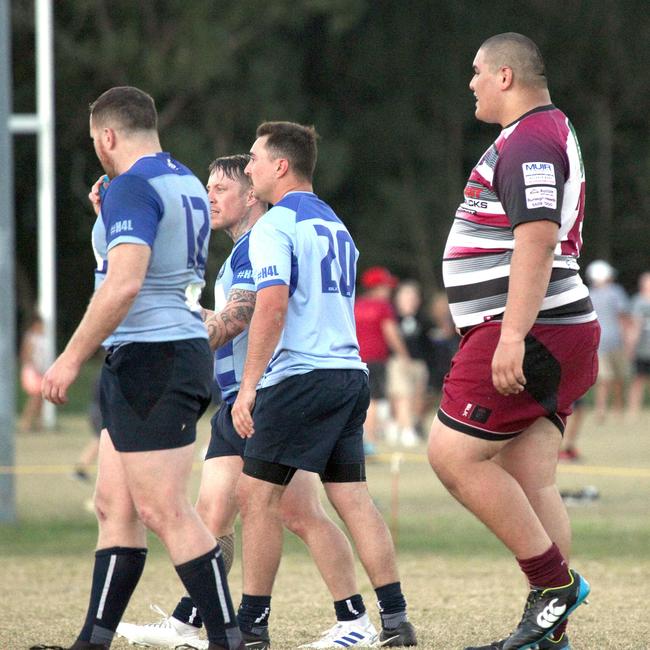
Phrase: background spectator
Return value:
(640, 344)
(407, 376)
(443, 340)
(34, 362)
(378, 335)
(612, 306)
(569, 452)
(88, 455)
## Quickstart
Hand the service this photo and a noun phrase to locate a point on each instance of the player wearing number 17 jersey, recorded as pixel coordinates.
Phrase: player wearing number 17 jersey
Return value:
(150, 240)
(309, 411)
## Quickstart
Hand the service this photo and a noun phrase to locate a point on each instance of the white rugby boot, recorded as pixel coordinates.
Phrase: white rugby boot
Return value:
(168, 632)
(345, 634)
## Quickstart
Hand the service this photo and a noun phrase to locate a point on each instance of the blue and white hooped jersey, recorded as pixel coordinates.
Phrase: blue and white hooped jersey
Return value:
(236, 273)
(301, 243)
(158, 202)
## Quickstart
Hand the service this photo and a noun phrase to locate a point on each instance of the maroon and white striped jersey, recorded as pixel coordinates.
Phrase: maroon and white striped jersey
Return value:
(533, 171)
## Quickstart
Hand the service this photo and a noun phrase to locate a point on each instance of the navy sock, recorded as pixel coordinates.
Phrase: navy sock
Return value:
(204, 578)
(349, 609)
(115, 575)
(187, 612)
(392, 605)
(254, 613)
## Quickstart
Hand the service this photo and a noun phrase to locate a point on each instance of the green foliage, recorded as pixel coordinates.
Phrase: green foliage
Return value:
(384, 82)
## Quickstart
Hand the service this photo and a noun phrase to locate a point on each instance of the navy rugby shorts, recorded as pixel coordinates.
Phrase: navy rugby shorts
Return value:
(313, 421)
(152, 394)
(224, 440)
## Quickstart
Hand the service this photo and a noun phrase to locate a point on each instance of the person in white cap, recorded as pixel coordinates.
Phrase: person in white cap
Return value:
(612, 306)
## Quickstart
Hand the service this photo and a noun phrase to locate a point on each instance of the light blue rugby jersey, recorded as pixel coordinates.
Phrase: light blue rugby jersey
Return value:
(236, 273)
(300, 242)
(158, 202)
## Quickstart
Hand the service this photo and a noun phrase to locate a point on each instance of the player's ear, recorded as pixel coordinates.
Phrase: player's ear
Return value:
(506, 77)
(282, 166)
(110, 137)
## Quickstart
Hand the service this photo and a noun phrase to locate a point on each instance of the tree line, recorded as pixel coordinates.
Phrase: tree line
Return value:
(384, 82)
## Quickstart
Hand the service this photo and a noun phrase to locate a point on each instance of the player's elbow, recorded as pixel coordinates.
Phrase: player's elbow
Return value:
(129, 289)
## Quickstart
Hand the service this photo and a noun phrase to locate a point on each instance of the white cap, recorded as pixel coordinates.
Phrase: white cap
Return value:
(600, 271)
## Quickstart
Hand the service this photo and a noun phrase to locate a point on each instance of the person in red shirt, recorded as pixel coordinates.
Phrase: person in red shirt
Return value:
(379, 337)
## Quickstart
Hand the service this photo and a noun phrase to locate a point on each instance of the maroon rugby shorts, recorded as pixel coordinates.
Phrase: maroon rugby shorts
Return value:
(560, 365)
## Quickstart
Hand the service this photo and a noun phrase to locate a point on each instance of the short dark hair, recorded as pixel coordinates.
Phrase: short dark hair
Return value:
(233, 167)
(131, 108)
(519, 53)
(295, 142)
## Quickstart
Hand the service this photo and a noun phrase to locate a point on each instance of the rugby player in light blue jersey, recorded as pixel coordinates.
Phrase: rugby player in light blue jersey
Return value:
(234, 209)
(150, 241)
(310, 408)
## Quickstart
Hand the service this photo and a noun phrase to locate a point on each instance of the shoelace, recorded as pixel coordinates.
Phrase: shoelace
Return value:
(165, 620)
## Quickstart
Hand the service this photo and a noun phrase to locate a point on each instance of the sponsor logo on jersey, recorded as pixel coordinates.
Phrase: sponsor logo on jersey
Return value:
(476, 203)
(126, 225)
(541, 197)
(538, 173)
(268, 272)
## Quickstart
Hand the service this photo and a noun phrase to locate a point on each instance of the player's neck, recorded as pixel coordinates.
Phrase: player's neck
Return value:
(134, 151)
(523, 104)
(290, 185)
(244, 224)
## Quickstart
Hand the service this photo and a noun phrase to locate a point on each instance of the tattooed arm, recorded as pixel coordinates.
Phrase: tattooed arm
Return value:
(233, 319)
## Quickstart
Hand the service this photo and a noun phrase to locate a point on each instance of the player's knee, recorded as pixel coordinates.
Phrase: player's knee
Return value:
(215, 515)
(158, 517)
(207, 513)
(150, 517)
(299, 520)
(243, 496)
(110, 508)
(294, 523)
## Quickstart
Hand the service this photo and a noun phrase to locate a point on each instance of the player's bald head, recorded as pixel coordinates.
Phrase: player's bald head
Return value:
(518, 53)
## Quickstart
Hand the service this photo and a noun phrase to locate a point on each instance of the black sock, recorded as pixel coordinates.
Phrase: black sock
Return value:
(204, 578)
(254, 613)
(116, 573)
(392, 605)
(349, 609)
(187, 612)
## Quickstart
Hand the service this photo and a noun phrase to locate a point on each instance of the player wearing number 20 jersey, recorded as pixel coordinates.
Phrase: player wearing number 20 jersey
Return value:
(301, 243)
(157, 202)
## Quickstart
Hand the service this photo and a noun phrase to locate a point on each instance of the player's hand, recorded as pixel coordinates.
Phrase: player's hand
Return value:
(56, 381)
(242, 412)
(94, 195)
(507, 367)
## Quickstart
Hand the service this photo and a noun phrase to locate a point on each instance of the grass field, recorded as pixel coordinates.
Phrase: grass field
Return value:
(462, 586)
